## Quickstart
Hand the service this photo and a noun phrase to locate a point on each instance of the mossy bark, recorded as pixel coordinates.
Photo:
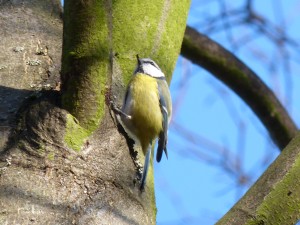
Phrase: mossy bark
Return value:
(100, 42)
(275, 197)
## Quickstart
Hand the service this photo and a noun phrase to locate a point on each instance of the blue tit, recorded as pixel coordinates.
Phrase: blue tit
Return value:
(147, 110)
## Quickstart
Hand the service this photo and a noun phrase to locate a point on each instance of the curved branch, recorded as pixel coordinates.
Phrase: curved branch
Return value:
(243, 81)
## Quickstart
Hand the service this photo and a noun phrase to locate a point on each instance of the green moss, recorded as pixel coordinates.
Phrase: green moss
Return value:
(41, 149)
(85, 61)
(271, 211)
(75, 135)
(51, 156)
(152, 29)
(282, 204)
(169, 48)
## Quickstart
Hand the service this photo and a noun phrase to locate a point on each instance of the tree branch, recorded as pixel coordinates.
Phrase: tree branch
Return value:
(275, 197)
(243, 81)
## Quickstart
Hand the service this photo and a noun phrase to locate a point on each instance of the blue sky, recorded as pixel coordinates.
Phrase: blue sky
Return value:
(190, 189)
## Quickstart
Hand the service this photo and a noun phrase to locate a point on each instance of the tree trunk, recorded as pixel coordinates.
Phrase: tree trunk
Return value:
(62, 168)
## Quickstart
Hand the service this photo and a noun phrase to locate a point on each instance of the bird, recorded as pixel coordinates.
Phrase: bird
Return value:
(147, 109)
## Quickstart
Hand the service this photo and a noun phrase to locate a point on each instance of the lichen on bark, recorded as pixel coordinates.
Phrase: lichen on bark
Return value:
(75, 135)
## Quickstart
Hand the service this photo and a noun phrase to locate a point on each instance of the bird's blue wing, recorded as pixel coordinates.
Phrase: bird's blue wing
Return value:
(163, 135)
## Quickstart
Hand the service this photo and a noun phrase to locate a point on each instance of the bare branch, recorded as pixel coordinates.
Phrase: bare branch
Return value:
(243, 81)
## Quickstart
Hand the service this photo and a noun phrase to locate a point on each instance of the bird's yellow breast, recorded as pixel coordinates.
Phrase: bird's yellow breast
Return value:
(146, 113)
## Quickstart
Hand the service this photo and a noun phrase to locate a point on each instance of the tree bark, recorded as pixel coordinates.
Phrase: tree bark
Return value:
(30, 47)
(75, 167)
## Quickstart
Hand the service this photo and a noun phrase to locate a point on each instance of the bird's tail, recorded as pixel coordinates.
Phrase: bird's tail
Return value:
(146, 168)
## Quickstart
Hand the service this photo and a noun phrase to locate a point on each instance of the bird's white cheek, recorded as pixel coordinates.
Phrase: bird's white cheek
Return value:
(153, 71)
